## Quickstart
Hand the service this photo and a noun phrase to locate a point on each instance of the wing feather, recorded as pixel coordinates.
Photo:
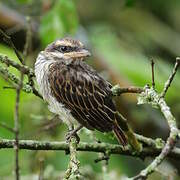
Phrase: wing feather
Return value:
(85, 93)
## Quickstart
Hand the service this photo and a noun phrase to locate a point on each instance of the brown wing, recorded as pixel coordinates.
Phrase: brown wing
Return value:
(85, 93)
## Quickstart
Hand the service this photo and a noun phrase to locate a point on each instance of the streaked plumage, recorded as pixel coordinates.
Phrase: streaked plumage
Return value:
(74, 90)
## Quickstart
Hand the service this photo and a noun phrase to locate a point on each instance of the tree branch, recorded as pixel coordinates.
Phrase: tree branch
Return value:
(73, 168)
(22, 68)
(117, 90)
(171, 77)
(83, 146)
(152, 97)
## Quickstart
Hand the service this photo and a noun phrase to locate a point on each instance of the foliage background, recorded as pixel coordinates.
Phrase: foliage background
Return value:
(123, 36)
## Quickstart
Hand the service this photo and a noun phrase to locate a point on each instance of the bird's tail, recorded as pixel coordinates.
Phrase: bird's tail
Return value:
(121, 137)
(124, 133)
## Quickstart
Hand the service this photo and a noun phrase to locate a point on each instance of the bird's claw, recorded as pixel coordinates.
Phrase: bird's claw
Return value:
(71, 134)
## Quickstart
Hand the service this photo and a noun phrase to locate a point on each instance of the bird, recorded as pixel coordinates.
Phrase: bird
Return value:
(75, 91)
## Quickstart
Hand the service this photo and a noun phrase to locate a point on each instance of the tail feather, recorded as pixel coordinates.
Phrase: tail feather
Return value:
(121, 137)
(124, 133)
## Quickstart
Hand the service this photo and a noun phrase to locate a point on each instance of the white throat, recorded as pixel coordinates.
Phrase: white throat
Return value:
(42, 66)
(41, 71)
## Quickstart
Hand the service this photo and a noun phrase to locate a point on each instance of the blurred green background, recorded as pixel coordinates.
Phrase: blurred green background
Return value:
(123, 36)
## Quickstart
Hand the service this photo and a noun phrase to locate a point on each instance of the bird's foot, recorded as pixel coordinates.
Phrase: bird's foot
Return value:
(71, 134)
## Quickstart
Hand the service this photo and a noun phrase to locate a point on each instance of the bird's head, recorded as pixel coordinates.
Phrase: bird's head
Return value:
(67, 48)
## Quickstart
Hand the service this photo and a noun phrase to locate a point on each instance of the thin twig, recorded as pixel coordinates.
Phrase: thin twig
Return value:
(16, 121)
(8, 87)
(6, 127)
(41, 169)
(26, 49)
(152, 67)
(9, 41)
(16, 129)
(117, 90)
(101, 158)
(16, 125)
(28, 37)
(171, 77)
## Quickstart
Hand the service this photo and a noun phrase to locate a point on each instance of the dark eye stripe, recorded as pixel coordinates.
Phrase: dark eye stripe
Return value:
(66, 49)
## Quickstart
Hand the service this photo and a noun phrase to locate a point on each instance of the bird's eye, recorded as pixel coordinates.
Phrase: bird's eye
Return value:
(64, 49)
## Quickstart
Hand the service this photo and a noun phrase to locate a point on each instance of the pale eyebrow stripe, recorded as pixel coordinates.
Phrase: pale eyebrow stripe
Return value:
(59, 43)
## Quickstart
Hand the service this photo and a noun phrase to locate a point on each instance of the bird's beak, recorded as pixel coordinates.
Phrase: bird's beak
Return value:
(83, 53)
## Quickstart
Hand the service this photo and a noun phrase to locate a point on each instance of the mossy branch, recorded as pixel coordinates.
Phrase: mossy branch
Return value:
(90, 147)
(150, 96)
